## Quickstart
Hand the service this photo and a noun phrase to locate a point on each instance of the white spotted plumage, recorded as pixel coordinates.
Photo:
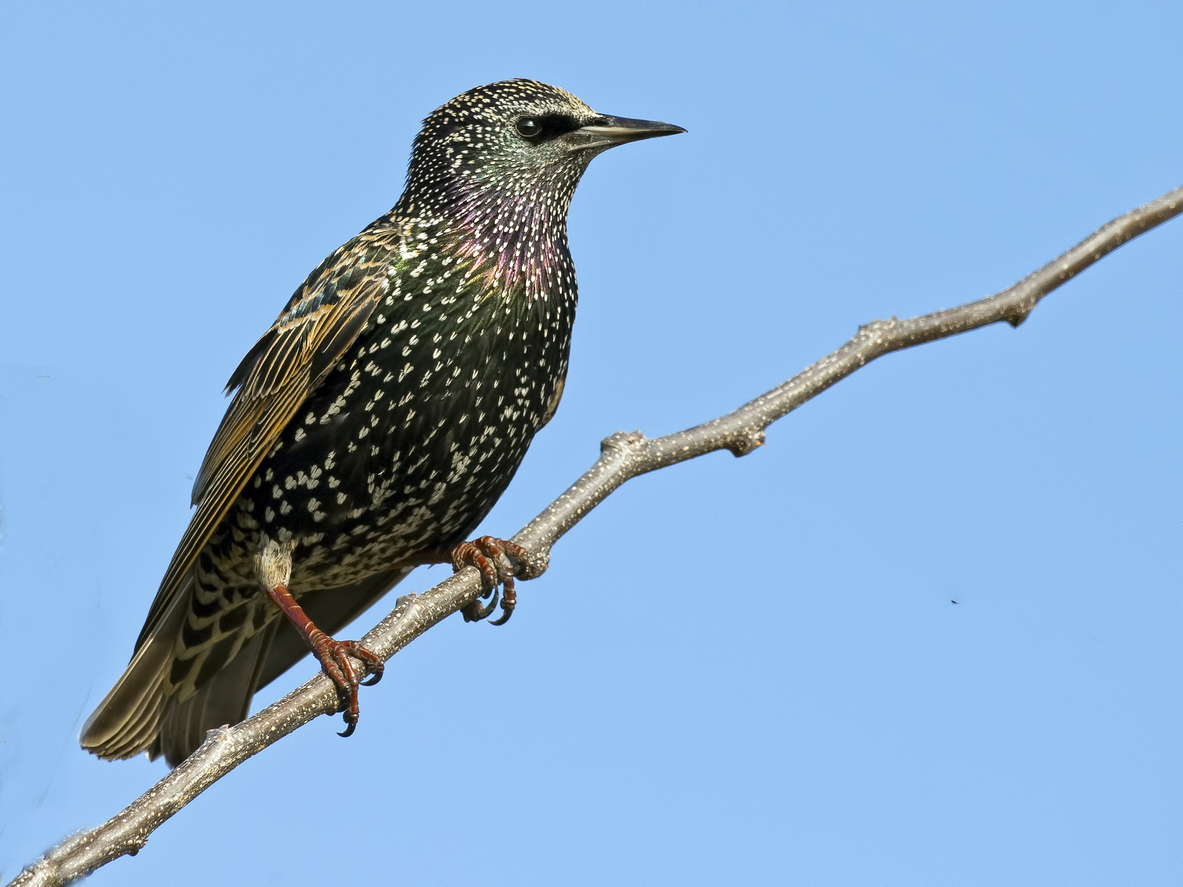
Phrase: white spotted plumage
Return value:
(382, 415)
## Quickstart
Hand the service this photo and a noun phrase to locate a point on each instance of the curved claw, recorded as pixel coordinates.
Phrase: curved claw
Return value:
(508, 602)
(475, 612)
(333, 655)
(334, 659)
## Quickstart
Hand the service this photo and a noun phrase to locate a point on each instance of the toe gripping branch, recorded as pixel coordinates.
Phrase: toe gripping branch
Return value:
(333, 655)
(498, 561)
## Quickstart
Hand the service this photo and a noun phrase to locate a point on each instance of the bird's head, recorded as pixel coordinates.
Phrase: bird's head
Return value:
(517, 142)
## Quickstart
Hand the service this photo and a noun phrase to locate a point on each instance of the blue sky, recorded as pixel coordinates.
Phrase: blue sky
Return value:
(735, 671)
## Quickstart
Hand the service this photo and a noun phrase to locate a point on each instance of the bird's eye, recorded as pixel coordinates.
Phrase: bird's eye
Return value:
(528, 127)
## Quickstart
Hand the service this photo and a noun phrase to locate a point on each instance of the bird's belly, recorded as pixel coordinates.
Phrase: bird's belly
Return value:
(359, 495)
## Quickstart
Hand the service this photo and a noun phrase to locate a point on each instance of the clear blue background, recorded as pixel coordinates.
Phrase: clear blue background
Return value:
(735, 671)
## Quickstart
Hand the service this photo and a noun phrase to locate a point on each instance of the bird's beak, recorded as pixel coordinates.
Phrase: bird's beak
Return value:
(608, 132)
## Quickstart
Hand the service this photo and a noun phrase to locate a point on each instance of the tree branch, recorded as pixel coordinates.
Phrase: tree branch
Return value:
(623, 456)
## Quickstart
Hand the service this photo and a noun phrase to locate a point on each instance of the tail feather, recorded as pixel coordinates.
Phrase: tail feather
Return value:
(120, 726)
(224, 699)
(139, 716)
(140, 727)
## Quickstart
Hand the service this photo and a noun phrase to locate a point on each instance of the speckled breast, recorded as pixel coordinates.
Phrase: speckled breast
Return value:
(413, 436)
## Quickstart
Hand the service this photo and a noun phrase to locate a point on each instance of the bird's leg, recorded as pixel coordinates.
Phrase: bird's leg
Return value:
(498, 561)
(333, 655)
(273, 566)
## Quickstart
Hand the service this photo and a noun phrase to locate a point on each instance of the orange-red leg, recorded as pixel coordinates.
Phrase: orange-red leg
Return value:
(333, 655)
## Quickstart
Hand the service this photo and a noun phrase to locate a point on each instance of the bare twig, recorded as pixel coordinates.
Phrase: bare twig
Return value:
(623, 456)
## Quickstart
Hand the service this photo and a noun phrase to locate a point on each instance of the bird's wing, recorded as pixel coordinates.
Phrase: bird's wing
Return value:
(320, 322)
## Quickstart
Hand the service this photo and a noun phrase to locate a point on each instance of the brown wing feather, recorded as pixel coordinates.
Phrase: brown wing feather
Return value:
(318, 325)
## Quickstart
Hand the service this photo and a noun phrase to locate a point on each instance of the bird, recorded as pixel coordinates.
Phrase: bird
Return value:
(375, 423)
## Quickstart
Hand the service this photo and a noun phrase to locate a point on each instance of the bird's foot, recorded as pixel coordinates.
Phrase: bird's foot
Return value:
(333, 655)
(334, 659)
(499, 562)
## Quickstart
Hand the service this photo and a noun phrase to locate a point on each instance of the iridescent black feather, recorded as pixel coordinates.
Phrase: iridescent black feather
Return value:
(382, 414)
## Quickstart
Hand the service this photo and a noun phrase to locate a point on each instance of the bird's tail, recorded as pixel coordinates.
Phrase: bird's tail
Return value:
(139, 714)
(224, 699)
(127, 721)
(143, 713)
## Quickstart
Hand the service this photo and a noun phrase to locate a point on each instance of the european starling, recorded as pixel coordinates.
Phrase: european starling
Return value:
(376, 422)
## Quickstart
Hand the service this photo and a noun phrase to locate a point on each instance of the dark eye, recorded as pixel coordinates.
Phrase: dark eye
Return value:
(528, 127)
